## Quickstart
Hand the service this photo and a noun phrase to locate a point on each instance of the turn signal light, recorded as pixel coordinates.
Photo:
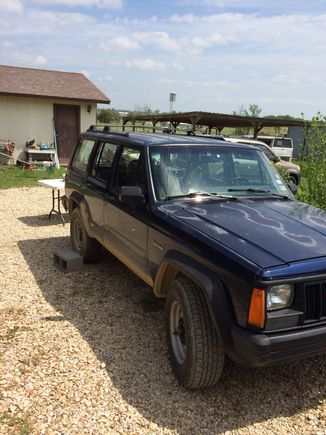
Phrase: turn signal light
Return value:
(257, 308)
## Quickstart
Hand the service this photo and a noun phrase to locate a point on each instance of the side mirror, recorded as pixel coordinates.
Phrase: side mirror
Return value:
(293, 187)
(132, 195)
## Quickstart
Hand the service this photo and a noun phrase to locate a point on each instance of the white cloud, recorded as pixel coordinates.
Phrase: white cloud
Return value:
(41, 60)
(103, 4)
(11, 6)
(106, 78)
(5, 25)
(189, 18)
(177, 66)
(119, 43)
(200, 42)
(59, 19)
(160, 40)
(145, 64)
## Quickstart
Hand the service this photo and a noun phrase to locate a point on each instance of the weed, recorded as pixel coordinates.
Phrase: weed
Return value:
(18, 425)
(10, 334)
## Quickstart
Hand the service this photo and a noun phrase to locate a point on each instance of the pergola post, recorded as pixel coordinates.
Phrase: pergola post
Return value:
(194, 122)
(124, 122)
(257, 127)
(219, 128)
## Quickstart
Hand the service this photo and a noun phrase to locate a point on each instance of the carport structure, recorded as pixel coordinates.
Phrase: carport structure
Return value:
(211, 121)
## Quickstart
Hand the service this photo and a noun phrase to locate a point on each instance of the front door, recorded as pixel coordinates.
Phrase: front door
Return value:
(125, 231)
(67, 126)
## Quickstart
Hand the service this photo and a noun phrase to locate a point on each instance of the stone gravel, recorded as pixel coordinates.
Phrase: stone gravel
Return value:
(85, 352)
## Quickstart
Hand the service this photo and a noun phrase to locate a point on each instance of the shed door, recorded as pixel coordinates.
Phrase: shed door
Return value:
(67, 126)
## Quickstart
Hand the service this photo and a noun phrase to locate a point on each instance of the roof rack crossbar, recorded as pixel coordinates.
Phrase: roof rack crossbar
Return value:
(107, 129)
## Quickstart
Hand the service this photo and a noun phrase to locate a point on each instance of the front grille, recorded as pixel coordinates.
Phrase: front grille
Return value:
(315, 301)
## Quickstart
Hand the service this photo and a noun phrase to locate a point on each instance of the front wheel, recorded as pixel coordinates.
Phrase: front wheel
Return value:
(81, 243)
(195, 349)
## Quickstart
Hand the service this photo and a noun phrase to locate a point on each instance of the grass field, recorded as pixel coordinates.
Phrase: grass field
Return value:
(13, 176)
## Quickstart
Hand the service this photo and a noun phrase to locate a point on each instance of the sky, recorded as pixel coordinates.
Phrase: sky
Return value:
(217, 55)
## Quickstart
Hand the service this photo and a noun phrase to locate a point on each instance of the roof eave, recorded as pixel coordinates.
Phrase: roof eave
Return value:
(86, 100)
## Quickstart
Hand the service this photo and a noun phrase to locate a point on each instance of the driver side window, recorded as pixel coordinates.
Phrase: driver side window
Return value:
(130, 170)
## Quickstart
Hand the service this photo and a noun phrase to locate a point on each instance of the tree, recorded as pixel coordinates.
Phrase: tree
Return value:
(277, 130)
(254, 110)
(144, 110)
(107, 116)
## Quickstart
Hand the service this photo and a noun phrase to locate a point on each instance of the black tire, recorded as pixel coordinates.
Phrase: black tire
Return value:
(81, 243)
(195, 349)
(293, 179)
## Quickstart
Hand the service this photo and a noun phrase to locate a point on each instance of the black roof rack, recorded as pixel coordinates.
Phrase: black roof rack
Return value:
(107, 129)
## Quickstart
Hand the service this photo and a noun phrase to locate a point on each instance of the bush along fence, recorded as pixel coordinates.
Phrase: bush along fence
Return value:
(313, 163)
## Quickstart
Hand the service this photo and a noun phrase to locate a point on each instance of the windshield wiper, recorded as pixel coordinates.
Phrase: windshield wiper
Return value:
(194, 194)
(253, 190)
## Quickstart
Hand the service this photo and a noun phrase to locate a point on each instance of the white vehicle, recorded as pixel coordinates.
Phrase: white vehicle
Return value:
(282, 146)
(290, 168)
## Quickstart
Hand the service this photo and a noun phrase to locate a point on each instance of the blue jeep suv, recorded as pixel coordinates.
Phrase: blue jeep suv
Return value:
(212, 228)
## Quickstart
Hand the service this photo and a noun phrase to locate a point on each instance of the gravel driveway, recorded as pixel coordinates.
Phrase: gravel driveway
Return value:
(85, 352)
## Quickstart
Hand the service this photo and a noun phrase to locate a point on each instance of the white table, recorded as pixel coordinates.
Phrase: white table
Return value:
(56, 185)
(31, 151)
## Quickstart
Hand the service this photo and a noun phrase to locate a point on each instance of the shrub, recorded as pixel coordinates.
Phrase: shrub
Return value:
(313, 187)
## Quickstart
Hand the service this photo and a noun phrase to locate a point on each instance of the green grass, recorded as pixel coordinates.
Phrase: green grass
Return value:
(13, 176)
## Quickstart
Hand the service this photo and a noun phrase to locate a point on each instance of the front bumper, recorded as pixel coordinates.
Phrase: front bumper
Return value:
(259, 350)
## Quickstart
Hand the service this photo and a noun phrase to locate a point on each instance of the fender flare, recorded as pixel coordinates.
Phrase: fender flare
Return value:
(219, 305)
(79, 201)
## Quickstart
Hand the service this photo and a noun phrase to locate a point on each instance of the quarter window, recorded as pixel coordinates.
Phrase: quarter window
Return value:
(82, 155)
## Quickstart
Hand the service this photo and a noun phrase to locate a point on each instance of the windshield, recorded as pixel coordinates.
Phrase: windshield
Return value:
(182, 170)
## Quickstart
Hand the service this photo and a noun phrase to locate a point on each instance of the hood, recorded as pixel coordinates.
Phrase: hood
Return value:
(267, 232)
(289, 165)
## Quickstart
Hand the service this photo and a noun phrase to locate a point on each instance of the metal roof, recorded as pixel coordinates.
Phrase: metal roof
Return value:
(215, 120)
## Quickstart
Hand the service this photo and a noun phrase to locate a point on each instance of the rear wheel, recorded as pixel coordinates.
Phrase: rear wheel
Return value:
(81, 243)
(293, 179)
(195, 349)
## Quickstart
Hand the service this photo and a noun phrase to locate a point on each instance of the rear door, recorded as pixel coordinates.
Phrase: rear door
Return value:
(96, 185)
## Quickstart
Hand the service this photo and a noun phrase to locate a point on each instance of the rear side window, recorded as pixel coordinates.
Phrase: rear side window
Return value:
(82, 155)
(104, 160)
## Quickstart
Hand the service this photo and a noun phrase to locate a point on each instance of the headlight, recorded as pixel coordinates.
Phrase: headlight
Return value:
(279, 296)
